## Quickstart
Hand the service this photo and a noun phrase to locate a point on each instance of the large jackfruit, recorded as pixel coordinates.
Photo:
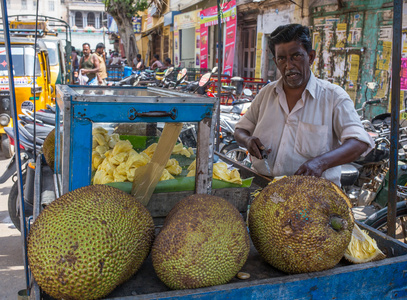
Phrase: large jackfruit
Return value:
(48, 148)
(301, 224)
(203, 242)
(88, 241)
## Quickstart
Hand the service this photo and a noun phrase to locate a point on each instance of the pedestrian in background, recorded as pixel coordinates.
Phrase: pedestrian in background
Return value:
(101, 55)
(75, 64)
(89, 63)
(155, 62)
(138, 63)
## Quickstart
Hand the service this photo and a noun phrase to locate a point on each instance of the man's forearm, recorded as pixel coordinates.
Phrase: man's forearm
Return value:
(241, 136)
(348, 152)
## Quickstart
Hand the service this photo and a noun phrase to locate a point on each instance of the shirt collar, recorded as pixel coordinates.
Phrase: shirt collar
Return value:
(311, 85)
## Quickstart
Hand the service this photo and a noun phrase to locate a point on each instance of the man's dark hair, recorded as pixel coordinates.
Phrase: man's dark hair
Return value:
(168, 60)
(139, 56)
(86, 44)
(100, 45)
(156, 57)
(289, 33)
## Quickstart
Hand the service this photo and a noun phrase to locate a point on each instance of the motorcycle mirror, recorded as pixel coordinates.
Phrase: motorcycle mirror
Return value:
(247, 92)
(215, 69)
(168, 71)
(204, 79)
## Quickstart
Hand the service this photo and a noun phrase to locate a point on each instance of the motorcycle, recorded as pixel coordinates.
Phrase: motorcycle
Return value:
(181, 77)
(200, 85)
(27, 144)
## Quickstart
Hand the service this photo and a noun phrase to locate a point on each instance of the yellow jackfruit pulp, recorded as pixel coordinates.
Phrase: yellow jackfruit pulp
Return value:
(362, 248)
(115, 160)
(220, 171)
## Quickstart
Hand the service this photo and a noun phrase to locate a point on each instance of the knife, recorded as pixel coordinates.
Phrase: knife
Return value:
(264, 155)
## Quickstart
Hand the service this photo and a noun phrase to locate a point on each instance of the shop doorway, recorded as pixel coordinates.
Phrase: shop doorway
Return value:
(248, 49)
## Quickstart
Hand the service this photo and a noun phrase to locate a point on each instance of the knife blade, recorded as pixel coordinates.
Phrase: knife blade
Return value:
(264, 156)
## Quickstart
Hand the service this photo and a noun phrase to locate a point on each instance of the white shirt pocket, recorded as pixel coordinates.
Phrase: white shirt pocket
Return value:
(311, 140)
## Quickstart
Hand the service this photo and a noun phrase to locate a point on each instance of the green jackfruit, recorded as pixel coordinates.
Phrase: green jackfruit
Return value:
(203, 242)
(301, 224)
(88, 241)
(48, 148)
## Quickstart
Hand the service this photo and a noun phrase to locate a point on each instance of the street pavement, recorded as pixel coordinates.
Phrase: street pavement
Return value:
(12, 275)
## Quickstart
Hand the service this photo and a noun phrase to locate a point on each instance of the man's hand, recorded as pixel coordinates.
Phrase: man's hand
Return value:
(313, 167)
(255, 147)
(251, 143)
(84, 71)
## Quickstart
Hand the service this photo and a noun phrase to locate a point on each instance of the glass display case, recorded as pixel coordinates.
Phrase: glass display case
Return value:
(97, 121)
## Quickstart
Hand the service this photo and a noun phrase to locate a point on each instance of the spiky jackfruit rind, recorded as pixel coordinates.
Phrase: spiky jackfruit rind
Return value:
(203, 242)
(291, 224)
(362, 248)
(88, 241)
(48, 148)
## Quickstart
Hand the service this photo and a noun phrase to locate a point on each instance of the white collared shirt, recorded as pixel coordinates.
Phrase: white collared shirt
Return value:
(320, 121)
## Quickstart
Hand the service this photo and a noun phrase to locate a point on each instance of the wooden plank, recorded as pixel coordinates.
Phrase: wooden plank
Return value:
(376, 280)
(161, 204)
(203, 175)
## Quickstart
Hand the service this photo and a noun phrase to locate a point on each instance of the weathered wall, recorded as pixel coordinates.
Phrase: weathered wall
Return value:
(272, 16)
(353, 45)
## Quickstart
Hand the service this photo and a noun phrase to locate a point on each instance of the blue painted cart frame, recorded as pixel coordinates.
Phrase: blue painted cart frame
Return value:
(79, 107)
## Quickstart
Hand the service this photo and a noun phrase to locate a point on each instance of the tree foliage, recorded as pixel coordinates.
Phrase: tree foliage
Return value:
(122, 12)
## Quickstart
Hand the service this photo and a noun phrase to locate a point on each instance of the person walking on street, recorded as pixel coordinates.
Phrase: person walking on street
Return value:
(305, 125)
(89, 63)
(102, 74)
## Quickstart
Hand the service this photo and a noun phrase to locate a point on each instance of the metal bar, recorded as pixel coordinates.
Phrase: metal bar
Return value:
(37, 188)
(35, 61)
(217, 124)
(395, 116)
(17, 139)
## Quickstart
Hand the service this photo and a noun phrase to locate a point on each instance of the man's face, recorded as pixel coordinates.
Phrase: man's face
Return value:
(99, 50)
(86, 50)
(294, 63)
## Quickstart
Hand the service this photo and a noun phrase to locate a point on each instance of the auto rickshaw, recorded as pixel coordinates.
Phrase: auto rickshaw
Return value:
(22, 50)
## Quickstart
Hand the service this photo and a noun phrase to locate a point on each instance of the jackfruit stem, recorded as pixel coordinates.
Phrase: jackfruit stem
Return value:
(337, 223)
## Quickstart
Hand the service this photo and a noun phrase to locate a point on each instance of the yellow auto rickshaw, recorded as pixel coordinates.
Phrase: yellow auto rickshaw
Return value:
(26, 94)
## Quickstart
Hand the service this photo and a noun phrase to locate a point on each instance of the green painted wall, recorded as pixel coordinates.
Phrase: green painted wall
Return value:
(353, 47)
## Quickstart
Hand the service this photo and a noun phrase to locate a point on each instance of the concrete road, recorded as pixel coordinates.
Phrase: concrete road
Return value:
(12, 275)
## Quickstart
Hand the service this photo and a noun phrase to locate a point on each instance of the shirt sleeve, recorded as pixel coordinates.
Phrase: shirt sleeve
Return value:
(347, 123)
(249, 120)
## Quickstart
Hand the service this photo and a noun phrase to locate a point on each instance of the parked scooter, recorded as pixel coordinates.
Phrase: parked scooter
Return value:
(200, 85)
(181, 77)
(26, 139)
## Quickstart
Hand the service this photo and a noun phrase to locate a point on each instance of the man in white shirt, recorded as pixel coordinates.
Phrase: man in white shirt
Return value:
(307, 126)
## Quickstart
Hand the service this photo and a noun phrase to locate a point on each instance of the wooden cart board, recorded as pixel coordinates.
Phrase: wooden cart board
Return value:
(385, 279)
(161, 204)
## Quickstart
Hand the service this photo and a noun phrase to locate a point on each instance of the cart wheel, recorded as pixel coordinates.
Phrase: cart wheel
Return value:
(401, 223)
(13, 205)
(8, 150)
(229, 147)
